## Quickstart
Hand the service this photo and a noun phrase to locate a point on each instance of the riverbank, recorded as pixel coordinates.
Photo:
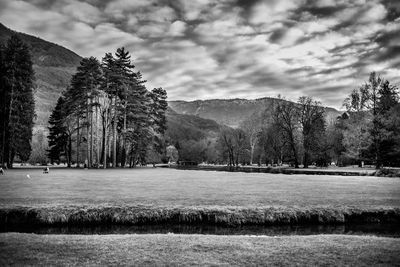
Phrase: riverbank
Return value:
(341, 171)
(219, 216)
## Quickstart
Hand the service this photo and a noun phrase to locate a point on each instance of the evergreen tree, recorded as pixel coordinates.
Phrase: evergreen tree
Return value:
(18, 106)
(111, 92)
(59, 139)
(80, 97)
(3, 106)
(388, 125)
(372, 102)
(128, 84)
(158, 107)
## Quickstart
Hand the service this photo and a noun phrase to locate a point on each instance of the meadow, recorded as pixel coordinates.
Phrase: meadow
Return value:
(197, 250)
(160, 195)
(169, 187)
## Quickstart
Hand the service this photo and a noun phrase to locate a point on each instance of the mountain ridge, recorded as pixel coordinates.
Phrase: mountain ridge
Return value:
(232, 112)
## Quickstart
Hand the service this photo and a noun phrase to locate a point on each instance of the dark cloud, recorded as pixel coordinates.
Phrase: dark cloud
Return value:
(235, 48)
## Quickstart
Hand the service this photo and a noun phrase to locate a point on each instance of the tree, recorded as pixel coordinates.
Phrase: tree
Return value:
(109, 100)
(3, 106)
(111, 86)
(312, 122)
(39, 148)
(172, 154)
(60, 137)
(372, 101)
(232, 144)
(388, 119)
(252, 127)
(18, 106)
(286, 117)
(272, 143)
(335, 137)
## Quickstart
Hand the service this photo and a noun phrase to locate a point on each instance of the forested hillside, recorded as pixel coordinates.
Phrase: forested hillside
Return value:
(53, 66)
(231, 112)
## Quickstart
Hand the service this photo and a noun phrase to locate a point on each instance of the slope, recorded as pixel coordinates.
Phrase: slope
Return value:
(53, 66)
(230, 112)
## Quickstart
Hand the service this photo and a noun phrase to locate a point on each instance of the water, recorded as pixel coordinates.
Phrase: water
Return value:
(388, 230)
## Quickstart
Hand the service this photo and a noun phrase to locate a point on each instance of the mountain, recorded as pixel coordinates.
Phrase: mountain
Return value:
(53, 65)
(231, 112)
(189, 127)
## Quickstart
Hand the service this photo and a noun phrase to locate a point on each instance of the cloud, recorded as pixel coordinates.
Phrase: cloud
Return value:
(177, 28)
(80, 11)
(229, 48)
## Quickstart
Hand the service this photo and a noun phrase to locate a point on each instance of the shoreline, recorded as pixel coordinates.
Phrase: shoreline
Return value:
(220, 216)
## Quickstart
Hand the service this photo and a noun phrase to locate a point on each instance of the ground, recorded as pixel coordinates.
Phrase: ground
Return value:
(169, 187)
(163, 187)
(189, 250)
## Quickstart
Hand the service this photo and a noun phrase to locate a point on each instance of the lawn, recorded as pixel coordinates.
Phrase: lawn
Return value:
(169, 187)
(142, 195)
(197, 250)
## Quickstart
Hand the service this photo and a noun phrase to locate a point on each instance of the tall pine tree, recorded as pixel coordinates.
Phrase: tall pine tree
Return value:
(60, 143)
(18, 106)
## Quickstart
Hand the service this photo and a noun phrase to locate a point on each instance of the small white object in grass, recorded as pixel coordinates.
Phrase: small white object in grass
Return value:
(28, 176)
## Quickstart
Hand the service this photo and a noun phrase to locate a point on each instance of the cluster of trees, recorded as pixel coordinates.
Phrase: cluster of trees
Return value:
(17, 105)
(301, 134)
(287, 131)
(107, 117)
(371, 130)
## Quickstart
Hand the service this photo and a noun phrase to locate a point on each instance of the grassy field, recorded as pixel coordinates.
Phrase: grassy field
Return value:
(197, 250)
(160, 196)
(147, 195)
(173, 188)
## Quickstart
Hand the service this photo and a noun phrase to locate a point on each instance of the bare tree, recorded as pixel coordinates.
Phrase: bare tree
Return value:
(252, 128)
(286, 117)
(312, 122)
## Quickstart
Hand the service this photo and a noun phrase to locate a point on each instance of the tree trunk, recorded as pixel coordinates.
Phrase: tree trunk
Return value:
(251, 153)
(91, 132)
(115, 133)
(77, 144)
(97, 138)
(69, 151)
(305, 159)
(87, 137)
(9, 139)
(105, 139)
(124, 150)
(293, 145)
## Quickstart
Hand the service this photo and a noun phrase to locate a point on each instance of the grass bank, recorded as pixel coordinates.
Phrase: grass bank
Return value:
(197, 250)
(223, 216)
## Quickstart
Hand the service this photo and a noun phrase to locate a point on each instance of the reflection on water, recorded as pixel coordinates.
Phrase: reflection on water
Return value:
(391, 230)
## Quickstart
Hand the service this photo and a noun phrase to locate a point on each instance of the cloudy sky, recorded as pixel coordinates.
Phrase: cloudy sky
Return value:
(204, 49)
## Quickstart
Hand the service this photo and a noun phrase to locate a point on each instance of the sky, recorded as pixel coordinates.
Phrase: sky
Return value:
(206, 49)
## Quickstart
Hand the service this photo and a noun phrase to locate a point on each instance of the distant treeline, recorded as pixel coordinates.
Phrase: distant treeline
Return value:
(301, 134)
